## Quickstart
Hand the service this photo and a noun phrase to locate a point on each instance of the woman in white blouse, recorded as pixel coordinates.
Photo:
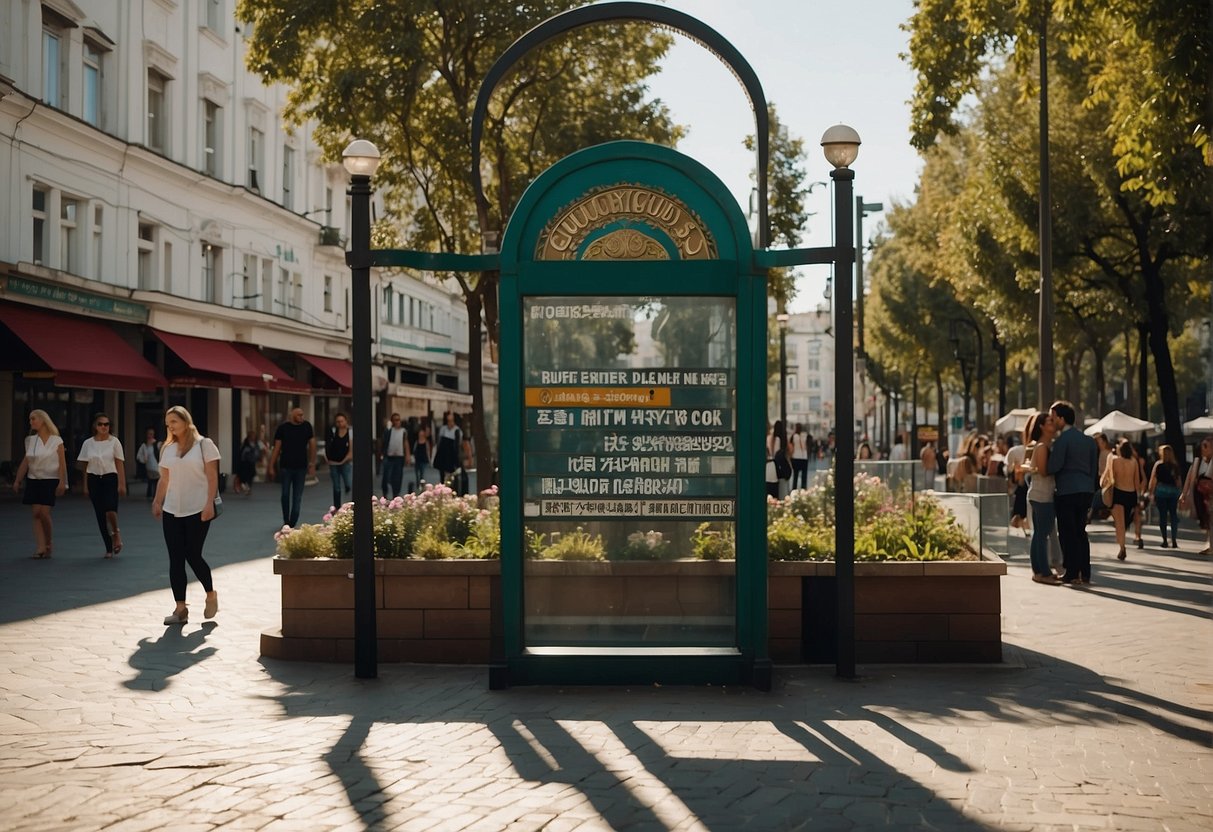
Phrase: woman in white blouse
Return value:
(185, 499)
(104, 465)
(45, 472)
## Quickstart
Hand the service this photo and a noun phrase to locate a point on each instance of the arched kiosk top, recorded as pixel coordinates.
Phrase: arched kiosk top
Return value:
(626, 201)
(669, 18)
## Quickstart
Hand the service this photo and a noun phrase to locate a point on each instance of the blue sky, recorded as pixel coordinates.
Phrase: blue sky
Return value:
(820, 63)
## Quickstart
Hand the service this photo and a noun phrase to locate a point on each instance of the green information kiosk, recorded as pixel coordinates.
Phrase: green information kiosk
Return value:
(633, 388)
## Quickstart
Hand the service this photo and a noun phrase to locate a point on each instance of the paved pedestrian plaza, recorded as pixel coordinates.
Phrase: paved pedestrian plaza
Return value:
(1099, 717)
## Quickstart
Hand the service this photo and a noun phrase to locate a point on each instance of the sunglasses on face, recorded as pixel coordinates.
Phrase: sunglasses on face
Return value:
(103, 424)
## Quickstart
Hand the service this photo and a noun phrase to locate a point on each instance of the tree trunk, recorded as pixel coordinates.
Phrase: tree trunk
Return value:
(480, 438)
(1101, 396)
(942, 423)
(1143, 376)
(1164, 370)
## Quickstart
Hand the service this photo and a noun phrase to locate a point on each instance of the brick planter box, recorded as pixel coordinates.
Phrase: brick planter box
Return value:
(905, 611)
(439, 611)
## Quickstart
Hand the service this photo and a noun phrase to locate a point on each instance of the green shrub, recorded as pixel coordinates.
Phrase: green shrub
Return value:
(650, 545)
(575, 545)
(307, 541)
(714, 541)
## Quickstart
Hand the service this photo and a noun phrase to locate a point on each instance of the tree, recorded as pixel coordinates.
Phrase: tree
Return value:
(1147, 61)
(405, 74)
(1136, 225)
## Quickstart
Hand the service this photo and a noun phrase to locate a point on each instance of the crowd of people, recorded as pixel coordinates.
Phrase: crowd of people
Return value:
(1058, 479)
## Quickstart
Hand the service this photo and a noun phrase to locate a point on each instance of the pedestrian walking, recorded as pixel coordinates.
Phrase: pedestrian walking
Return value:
(251, 451)
(1164, 488)
(1073, 463)
(450, 443)
(1124, 475)
(1039, 435)
(339, 451)
(800, 442)
(185, 504)
(1198, 488)
(295, 446)
(104, 465)
(148, 456)
(423, 450)
(44, 469)
(393, 454)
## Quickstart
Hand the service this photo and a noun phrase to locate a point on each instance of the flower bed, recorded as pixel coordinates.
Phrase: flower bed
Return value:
(921, 592)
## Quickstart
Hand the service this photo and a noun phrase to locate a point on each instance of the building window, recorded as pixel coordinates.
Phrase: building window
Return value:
(814, 402)
(297, 297)
(385, 311)
(288, 178)
(40, 236)
(814, 384)
(328, 293)
(157, 111)
(52, 68)
(267, 285)
(256, 158)
(147, 253)
(248, 284)
(92, 83)
(791, 382)
(98, 216)
(813, 364)
(214, 16)
(69, 237)
(212, 261)
(284, 289)
(212, 129)
(167, 261)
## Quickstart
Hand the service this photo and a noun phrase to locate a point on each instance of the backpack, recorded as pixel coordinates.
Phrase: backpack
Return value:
(783, 468)
(248, 452)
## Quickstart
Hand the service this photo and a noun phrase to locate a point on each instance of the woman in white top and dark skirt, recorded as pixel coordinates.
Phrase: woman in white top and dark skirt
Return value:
(44, 469)
(104, 466)
(185, 499)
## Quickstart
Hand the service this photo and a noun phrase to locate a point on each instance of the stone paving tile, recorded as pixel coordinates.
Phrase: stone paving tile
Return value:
(1099, 719)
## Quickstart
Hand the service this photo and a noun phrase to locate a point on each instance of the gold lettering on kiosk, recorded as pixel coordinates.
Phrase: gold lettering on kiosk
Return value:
(626, 222)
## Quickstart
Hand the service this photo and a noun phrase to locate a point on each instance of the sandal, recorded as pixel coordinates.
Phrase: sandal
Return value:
(117, 541)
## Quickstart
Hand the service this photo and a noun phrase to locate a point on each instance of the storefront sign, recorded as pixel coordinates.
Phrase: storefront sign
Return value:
(74, 300)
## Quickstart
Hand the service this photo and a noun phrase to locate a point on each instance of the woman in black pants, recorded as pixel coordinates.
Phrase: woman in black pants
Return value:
(104, 465)
(185, 499)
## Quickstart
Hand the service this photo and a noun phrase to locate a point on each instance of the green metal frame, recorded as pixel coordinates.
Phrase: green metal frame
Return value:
(734, 276)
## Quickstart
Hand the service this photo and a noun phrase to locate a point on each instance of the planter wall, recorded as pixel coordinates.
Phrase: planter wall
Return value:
(439, 611)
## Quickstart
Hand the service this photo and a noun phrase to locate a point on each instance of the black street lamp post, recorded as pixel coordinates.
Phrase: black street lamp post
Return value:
(841, 146)
(361, 158)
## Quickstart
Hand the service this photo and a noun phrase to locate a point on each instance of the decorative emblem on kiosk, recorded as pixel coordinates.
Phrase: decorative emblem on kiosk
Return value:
(626, 222)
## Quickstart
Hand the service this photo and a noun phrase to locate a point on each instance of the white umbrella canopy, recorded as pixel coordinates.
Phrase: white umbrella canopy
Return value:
(1201, 424)
(1118, 422)
(1014, 422)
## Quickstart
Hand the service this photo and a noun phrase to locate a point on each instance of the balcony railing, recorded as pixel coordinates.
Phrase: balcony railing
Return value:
(330, 236)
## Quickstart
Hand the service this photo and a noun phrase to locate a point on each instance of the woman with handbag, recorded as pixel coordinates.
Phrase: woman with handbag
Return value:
(1198, 488)
(186, 500)
(44, 469)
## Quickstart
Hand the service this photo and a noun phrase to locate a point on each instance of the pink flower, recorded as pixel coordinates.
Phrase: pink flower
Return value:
(328, 518)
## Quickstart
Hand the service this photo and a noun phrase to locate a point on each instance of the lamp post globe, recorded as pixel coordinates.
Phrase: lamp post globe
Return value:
(840, 144)
(360, 158)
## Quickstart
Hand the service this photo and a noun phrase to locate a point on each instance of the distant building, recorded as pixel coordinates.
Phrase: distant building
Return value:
(810, 353)
(167, 241)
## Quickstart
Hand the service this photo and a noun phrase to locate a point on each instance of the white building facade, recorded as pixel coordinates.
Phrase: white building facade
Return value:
(165, 239)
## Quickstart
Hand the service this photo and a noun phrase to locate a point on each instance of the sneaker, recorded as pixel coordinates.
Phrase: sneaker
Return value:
(177, 618)
(212, 606)
(1046, 579)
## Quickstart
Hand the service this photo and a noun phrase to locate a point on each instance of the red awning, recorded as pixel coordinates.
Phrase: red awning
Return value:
(81, 352)
(218, 361)
(339, 370)
(280, 378)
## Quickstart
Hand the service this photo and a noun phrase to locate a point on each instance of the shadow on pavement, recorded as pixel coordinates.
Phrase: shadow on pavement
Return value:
(159, 660)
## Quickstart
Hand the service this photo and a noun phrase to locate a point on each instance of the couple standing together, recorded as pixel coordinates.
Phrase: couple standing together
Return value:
(1064, 461)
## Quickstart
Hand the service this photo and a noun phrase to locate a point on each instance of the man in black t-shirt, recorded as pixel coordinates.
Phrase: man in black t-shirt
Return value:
(295, 443)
